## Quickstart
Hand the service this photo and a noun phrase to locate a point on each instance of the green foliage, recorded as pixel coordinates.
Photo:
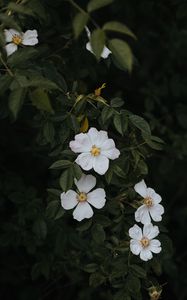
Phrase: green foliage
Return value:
(46, 92)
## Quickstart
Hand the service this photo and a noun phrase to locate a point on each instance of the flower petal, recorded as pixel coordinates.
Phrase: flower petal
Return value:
(105, 52)
(86, 183)
(100, 164)
(87, 31)
(81, 143)
(85, 160)
(89, 47)
(97, 198)
(135, 247)
(150, 231)
(141, 188)
(10, 48)
(156, 212)
(30, 38)
(69, 199)
(142, 215)
(93, 134)
(82, 211)
(135, 232)
(145, 254)
(155, 246)
(109, 149)
(8, 36)
(152, 194)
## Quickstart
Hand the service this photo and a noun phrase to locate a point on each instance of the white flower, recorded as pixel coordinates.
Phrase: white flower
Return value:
(96, 149)
(105, 53)
(151, 207)
(15, 38)
(143, 243)
(83, 198)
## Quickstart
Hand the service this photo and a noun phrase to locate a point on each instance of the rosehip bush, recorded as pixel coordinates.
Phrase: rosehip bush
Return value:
(78, 219)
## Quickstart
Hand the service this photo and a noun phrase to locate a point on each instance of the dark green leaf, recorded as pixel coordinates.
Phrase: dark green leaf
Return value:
(98, 233)
(61, 164)
(140, 123)
(97, 42)
(66, 179)
(16, 100)
(79, 23)
(118, 27)
(122, 53)
(96, 4)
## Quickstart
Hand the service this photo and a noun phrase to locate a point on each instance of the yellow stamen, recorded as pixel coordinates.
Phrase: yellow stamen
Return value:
(148, 201)
(145, 242)
(82, 197)
(16, 39)
(95, 151)
(97, 92)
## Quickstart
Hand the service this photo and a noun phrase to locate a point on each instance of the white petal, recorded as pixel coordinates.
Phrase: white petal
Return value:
(69, 199)
(87, 31)
(105, 52)
(10, 48)
(85, 160)
(86, 183)
(93, 135)
(145, 254)
(88, 47)
(109, 149)
(142, 215)
(82, 211)
(81, 143)
(102, 137)
(135, 232)
(135, 247)
(155, 246)
(30, 38)
(97, 198)
(141, 188)
(100, 164)
(150, 231)
(156, 212)
(8, 36)
(156, 197)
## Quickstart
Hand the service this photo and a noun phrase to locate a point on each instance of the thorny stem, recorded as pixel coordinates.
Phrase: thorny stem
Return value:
(84, 12)
(6, 67)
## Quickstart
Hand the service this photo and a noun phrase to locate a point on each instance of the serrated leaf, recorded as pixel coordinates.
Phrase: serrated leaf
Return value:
(118, 123)
(40, 99)
(140, 123)
(98, 234)
(96, 279)
(61, 164)
(77, 171)
(137, 271)
(97, 41)
(19, 9)
(66, 179)
(96, 4)
(117, 102)
(40, 228)
(106, 114)
(122, 53)
(90, 268)
(79, 23)
(118, 27)
(16, 100)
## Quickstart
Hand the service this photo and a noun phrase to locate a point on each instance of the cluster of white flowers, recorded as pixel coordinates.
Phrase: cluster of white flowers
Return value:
(13, 38)
(95, 150)
(142, 242)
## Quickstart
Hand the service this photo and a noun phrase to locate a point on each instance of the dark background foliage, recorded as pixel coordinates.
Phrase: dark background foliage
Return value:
(156, 89)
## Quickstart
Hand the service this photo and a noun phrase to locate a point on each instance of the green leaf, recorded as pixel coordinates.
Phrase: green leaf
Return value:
(16, 100)
(98, 234)
(106, 114)
(122, 53)
(97, 42)
(77, 171)
(40, 99)
(137, 271)
(117, 102)
(119, 172)
(61, 164)
(133, 284)
(90, 268)
(118, 27)
(96, 4)
(118, 123)
(66, 179)
(19, 9)
(8, 22)
(140, 123)
(96, 279)
(79, 23)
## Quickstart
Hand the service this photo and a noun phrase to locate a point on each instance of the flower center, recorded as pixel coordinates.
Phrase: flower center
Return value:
(148, 201)
(82, 197)
(95, 151)
(16, 39)
(144, 242)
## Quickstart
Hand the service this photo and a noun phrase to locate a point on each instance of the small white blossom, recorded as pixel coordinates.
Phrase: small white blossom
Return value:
(143, 243)
(151, 207)
(14, 39)
(105, 53)
(83, 198)
(96, 149)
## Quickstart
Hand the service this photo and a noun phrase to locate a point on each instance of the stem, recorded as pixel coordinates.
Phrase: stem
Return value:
(84, 12)
(6, 67)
